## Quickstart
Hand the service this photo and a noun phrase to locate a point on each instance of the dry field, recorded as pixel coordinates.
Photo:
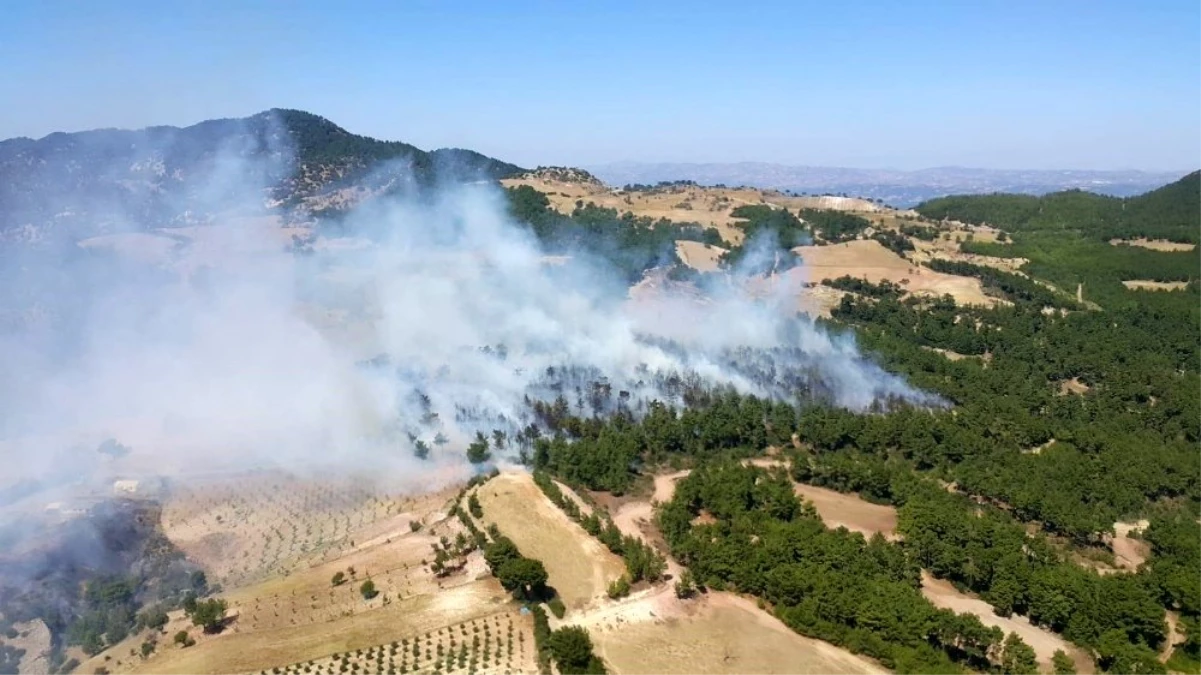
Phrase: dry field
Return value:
(1073, 386)
(708, 206)
(287, 611)
(34, 638)
(255, 650)
(838, 509)
(1128, 552)
(1154, 244)
(499, 644)
(944, 595)
(1143, 285)
(867, 259)
(580, 567)
(716, 633)
(698, 256)
(253, 526)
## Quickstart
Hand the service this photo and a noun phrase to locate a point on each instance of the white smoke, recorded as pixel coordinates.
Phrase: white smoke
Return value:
(240, 353)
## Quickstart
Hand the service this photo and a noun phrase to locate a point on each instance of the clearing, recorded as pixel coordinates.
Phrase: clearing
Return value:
(1154, 244)
(579, 566)
(709, 206)
(944, 595)
(1143, 285)
(840, 509)
(867, 259)
(698, 256)
(243, 529)
(717, 633)
(837, 509)
(1129, 552)
(1073, 386)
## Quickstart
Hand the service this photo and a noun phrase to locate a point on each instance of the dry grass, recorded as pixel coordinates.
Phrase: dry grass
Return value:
(248, 651)
(1143, 285)
(579, 567)
(253, 526)
(867, 259)
(944, 595)
(701, 257)
(708, 206)
(1154, 244)
(718, 633)
(34, 638)
(500, 643)
(1073, 386)
(1128, 552)
(838, 509)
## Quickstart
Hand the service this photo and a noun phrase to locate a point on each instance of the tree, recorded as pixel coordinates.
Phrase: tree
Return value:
(501, 550)
(368, 590)
(183, 639)
(1062, 663)
(685, 587)
(421, 450)
(1017, 657)
(209, 614)
(473, 505)
(339, 578)
(571, 648)
(620, 587)
(524, 577)
(477, 451)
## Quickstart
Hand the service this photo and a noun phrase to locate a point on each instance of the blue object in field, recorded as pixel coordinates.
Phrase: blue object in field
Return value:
(525, 610)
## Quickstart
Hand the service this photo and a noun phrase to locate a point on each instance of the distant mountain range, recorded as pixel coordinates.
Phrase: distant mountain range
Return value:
(896, 188)
(78, 184)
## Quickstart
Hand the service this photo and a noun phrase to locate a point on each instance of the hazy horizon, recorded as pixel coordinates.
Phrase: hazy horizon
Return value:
(993, 86)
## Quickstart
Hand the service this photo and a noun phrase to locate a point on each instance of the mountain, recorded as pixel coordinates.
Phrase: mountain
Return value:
(112, 180)
(897, 188)
(1171, 212)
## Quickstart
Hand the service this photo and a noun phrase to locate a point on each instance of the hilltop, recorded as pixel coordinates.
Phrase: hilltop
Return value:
(107, 180)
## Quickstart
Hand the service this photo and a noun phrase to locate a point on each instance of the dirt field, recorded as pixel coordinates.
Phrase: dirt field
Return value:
(579, 566)
(34, 638)
(1129, 552)
(1044, 642)
(867, 259)
(838, 509)
(295, 614)
(1073, 386)
(1140, 285)
(708, 206)
(249, 651)
(1154, 244)
(253, 526)
(718, 633)
(698, 256)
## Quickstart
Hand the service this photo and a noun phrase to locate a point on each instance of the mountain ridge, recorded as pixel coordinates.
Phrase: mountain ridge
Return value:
(901, 188)
(103, 180)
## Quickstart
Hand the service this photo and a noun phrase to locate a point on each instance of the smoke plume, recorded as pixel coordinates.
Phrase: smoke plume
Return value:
(420, 318)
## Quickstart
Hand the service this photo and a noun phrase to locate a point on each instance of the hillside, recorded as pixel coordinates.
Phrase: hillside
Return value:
(109, 180)
(1169, 212)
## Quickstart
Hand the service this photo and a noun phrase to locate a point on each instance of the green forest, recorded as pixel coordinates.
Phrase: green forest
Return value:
(1003, 493)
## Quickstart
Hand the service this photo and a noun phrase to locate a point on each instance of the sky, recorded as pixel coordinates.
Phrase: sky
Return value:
(1003, 84)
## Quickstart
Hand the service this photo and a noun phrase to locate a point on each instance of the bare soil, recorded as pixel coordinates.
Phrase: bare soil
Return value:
(867, 259)
(838, 509)
(944, 595)
(1128, 552)
(716, 633)
(701, 257)
(580, 567)
(1143, 285)
(1154, 244)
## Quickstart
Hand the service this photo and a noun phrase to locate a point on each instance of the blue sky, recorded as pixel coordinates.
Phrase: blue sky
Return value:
(1008, 84)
